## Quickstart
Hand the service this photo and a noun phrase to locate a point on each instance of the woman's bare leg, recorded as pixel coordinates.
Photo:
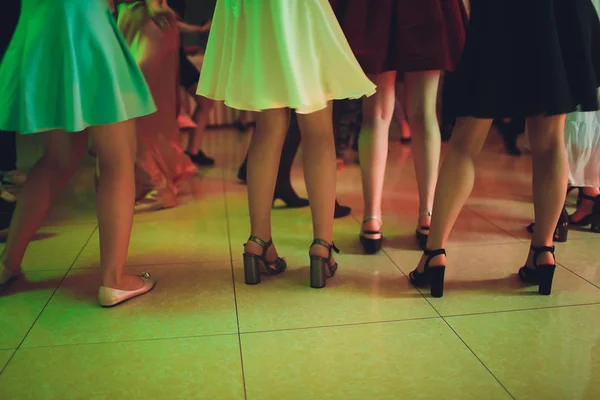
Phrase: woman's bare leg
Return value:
(115, 146)
(62, 154)
(550, 176)
(420, 101)
(263, 163)
(455, 182)
(319, 173)
(378, 111)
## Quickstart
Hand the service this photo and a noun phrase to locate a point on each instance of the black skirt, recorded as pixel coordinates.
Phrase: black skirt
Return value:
(527, 58)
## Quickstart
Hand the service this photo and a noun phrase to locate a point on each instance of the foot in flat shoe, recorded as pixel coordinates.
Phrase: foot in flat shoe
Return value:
(110, 297)
(289, 197)
(370, 235)
(201, 159)
(341, 211)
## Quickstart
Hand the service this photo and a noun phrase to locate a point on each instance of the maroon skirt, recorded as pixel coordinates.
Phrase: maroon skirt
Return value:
(404, 35)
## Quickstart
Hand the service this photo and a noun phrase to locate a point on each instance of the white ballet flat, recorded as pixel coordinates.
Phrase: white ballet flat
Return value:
(109, 297)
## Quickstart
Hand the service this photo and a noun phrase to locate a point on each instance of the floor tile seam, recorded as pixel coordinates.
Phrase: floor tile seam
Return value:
(517, 310)
(578, 275)
(154, 339)
(478, 358)
(235, 300)
(491, 222)
(352, 324)
(183, 264)
(55, 290)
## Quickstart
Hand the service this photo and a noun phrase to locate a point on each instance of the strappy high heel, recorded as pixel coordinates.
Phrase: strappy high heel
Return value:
(541, 275)
(320, 267)
(561, 232)
(255, 264)
(432, 276)
(420, 235)
(587, 219)
(371, 240)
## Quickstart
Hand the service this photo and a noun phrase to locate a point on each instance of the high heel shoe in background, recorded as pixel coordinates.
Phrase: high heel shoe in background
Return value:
(255, 264)
(320, 267)
(541, 275)
(561, 232)
(587, 219)
(371, 240)
(432, 276)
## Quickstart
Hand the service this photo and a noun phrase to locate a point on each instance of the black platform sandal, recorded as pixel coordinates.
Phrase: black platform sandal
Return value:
(254, 265)
(586, 220)
(371, 240)
(422, 236)
(541, 275)
(320, 268)
(433, 276)
(561, 232)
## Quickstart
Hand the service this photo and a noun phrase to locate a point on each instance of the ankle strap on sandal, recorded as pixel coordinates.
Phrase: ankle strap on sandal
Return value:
(329, 246)
(265, 245)
(372, 218)
(586, 196)
(539, 250)
(432, 253)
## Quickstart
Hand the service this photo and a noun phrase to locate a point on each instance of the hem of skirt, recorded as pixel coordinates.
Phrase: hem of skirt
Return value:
(74, 129)
(304, 109)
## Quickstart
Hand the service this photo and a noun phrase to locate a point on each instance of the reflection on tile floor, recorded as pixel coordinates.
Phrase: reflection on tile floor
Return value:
(203, 334)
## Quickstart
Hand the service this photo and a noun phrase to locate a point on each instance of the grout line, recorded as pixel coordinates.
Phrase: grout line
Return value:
(576, 274)
(352, 324)
(237, 315)
(49, 299)
(210, 335)
(457, 335)
(519, 310)
(478, 359)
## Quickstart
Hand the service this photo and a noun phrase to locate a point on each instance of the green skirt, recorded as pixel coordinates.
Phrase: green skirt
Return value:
(68, 67)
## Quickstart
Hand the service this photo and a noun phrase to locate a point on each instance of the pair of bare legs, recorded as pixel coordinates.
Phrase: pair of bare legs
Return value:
(419, 100)
(115, 146)
(550, 174)
(319, 174)
(200, 117)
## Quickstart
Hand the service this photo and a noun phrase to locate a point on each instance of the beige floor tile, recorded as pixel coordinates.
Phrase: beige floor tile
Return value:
(56, 247)
(582, 257)
(23, 303)
(168, 242)
(401, 360)
(188, 300)
(5, 356)
(539, 354)
(192, 368)
(484, 279)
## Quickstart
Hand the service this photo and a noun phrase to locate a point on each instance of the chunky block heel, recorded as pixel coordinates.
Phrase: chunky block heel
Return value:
(320, 267)
(562, 228)
(253, 264)
(432, 276)
(436, 281)
(371, 240)
(546, 276)
(251, 269)
(541, 275)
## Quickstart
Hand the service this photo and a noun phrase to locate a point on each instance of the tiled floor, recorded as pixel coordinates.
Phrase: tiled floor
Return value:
(203, 334)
